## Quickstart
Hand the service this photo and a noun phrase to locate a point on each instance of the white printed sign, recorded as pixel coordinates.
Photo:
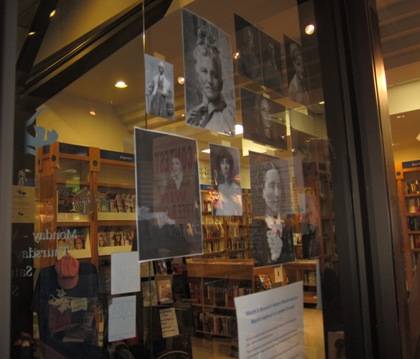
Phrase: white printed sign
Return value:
(270, 323)
(122, 318)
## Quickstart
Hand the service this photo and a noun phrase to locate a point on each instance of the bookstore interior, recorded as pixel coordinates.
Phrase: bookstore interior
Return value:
(185, 171)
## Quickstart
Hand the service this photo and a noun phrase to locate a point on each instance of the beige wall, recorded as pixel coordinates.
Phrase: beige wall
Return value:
(405, 98)
(70, 117)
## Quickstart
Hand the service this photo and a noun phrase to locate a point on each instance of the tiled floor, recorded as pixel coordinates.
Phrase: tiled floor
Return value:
(314, 341)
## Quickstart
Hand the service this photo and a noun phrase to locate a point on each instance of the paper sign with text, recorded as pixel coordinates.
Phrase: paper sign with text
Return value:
(122, 318)
(270, 323)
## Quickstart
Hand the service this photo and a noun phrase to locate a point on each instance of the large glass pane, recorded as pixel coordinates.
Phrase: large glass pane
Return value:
(250, 210)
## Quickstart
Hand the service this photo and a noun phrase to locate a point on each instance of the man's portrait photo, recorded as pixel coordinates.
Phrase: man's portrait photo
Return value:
(159, 87)
(168, 195)
(263, 120)
(209, 79)
(248, 45)
(272, 223)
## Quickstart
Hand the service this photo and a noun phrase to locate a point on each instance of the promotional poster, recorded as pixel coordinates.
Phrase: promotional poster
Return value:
(248, 44)
(168, 195)
(263, 120)
(272, 222)
(259, 55)
(159, 86)
(209, 79)
(296, 72)
(225, 171)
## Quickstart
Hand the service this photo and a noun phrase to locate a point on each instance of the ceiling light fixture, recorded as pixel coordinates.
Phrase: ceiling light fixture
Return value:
(310, 29)
(236, 55)
(31, 33)
(120, 85)
(206, 150)
(52, 13)
(321, 102)
(239, 129)
(181, 80)
(92, 112)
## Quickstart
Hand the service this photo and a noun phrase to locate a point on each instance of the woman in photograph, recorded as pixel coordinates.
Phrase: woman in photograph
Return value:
(212, 113)
(160, 93)
(297, 86)
(230, 192)
(273, 235)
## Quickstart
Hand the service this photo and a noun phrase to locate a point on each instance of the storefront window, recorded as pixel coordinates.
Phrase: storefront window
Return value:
(187, 169)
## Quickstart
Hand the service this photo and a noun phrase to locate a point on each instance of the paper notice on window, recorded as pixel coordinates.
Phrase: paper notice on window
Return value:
(270, 323)
(122, 318)
(168, 323)
(125, 273)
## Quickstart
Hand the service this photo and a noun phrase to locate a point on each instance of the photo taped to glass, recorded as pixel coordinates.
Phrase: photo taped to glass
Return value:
(168, 195)
(209, 80)
(225, 172)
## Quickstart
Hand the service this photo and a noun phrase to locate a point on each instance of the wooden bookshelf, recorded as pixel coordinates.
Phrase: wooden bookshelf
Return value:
(408, 186)
(227, 236)
(72, 180)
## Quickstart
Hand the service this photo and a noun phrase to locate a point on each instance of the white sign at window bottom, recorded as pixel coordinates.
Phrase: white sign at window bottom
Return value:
(270, 323)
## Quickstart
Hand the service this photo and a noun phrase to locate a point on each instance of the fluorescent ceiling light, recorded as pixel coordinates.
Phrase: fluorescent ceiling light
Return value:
(206, 150)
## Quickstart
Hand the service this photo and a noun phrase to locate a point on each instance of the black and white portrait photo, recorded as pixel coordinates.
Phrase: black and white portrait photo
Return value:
(225, 170)
(168, 195)
(263, 120)
(248, 44)
(296, 73)
(209, 79)
(272, 223)
(159, 87)
(271, 55)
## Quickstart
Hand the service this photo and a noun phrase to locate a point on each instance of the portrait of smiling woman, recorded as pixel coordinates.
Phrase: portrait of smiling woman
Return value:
(272, 230)
(225, 176)
(209, 81)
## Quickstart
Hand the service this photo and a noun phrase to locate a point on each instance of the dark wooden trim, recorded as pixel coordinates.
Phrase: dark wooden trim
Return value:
(32, 44)
(8, 41)
(371, 171)
(70, 63)
(354, 282)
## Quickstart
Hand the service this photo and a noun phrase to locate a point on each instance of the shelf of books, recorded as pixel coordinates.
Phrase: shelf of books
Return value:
(226, 236)
(86, 201)
(408, 184)
(213, 284)
(305, 271)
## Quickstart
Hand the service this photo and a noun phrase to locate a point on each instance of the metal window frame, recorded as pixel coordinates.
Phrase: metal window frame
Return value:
(8, 37)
